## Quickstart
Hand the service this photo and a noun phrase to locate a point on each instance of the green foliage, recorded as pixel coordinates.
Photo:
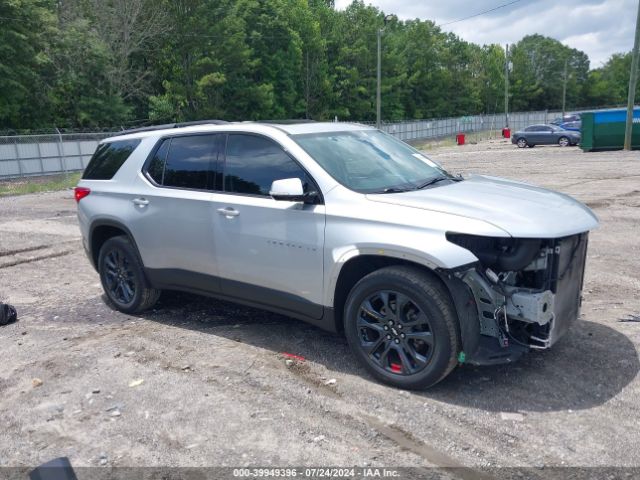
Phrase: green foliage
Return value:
(117, 62)
(79, 90)
(609, 85)
(24, 28)
(538, 73)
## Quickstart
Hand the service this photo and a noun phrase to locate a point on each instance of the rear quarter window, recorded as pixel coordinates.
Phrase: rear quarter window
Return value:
(108, 158)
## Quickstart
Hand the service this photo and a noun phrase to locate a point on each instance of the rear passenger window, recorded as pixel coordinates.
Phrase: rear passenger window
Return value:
(108, 158)
(253, 163)
(156, 167)
(187, 162)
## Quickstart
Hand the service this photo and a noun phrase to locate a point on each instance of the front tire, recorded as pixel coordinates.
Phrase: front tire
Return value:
(564, 142)
(122, 277)
(402, 326)
(521, 142)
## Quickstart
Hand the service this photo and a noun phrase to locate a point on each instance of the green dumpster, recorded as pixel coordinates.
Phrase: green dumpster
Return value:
(605, 130)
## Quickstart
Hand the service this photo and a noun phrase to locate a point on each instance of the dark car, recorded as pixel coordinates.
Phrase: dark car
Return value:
(545, 135)
(573, 117)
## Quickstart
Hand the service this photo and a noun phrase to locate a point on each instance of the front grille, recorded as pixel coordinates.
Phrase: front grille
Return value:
(568, 278)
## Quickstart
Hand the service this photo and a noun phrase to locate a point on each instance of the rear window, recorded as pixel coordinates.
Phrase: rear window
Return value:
(188, 162)
(108, 158)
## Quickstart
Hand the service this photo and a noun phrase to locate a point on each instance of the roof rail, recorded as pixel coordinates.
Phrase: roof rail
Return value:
(165, 126)
(287, 121)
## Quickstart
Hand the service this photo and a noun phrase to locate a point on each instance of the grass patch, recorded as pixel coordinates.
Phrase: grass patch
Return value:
(433, 144)
(50, 183)
(450, 140)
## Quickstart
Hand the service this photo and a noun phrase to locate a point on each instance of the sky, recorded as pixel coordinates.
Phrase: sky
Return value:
(597, 27)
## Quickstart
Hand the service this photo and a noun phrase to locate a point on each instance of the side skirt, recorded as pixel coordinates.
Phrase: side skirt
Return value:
(244, 294)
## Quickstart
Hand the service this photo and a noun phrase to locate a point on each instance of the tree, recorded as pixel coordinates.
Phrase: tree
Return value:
(25, 26)
(608, 85)
(79, 87)
(89, 63)
(538, 73)
(129, 30)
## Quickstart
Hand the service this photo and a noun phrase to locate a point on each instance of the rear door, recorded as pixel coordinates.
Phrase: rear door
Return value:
(267, 251)
(173, 227)
(532, 135)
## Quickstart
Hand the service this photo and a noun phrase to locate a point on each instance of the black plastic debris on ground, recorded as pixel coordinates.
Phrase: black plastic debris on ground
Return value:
(8, 314)
(630, 318)
(57, 469)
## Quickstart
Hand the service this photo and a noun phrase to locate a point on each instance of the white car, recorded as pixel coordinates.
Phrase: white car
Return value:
(342, 226)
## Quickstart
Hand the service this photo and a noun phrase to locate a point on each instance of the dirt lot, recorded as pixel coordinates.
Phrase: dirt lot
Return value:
(217, 390)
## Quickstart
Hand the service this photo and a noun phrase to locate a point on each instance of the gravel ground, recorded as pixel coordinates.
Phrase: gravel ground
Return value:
(198, 382)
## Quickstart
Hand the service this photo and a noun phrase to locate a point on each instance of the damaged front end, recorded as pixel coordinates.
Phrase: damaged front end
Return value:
(522, 294)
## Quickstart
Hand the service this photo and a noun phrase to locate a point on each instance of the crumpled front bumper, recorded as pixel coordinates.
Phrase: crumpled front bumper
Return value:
(541, 317)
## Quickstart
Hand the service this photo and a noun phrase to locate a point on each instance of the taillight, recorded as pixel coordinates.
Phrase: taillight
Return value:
(81, 192)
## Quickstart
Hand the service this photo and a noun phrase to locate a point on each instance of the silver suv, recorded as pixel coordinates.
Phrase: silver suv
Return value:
(341, 226)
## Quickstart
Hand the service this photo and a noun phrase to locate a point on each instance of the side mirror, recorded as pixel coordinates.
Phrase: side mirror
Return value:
(288, 190)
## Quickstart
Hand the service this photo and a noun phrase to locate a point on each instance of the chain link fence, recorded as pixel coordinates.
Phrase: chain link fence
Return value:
(43, 154)
(445, 127)
(60, 152)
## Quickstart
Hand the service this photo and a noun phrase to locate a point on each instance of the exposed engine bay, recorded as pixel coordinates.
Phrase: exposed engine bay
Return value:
(527, 291)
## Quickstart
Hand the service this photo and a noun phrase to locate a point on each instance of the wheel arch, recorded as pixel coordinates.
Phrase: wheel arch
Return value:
(358, 265)
(101, 231)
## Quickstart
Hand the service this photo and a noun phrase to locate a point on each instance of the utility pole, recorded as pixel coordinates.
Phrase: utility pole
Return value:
(506, 87)
(633, 82)
(564, 89)
(379, 83)
(378, 86)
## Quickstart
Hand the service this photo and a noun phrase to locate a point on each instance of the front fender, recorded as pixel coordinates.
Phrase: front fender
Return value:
(340, 256)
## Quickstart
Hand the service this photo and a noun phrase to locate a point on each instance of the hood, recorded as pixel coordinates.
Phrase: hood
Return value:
(520, 209)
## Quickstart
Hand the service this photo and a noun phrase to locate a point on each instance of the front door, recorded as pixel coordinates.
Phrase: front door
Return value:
(267, 251)
(547, 137)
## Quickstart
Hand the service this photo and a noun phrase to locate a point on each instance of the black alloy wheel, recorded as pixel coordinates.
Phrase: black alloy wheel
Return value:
(401, 324)
(395, 332)
(120, 279)
(122, 276)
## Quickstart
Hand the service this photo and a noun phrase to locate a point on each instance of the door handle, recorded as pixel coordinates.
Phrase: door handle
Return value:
(141, 202)
(228, 212)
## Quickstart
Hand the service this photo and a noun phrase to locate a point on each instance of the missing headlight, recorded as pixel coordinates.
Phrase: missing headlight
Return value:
(498, 253)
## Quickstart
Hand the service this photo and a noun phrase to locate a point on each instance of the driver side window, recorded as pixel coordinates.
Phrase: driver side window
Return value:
(253, 163)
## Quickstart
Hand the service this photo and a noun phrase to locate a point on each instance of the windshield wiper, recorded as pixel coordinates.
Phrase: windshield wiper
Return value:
(433, 181)
(395, 190)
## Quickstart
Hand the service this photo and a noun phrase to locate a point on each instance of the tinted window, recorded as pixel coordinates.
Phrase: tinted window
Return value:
(253, 163)
(108, 158)
(156, 168)
(191, 162)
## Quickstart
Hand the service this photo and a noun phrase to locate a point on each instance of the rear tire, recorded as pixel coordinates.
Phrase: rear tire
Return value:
(521, 142)
(122, 276)
(401, 325)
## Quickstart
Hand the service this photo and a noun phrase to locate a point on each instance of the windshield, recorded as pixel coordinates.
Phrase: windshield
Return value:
(370, 161)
